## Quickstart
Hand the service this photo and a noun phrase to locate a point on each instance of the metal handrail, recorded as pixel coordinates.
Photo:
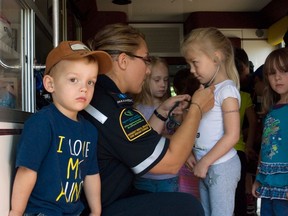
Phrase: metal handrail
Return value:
(37, 67)
(9, 66)
(55, 4)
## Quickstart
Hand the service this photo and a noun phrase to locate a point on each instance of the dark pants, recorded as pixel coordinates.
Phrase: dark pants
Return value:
(156, 204)
(274, 207)
(240, 196)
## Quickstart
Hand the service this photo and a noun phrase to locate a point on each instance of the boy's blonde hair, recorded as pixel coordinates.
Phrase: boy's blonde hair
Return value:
(210, 40)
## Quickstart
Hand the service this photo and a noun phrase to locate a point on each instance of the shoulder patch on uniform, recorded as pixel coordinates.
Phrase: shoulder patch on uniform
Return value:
(133, 123)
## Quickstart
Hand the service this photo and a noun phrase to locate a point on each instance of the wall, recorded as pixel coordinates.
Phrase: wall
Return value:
(254, 42)
(91, 19)
(247, 26)
(257, 51)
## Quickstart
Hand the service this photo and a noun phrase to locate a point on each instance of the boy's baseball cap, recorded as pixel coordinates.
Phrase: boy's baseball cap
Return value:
(69, 50)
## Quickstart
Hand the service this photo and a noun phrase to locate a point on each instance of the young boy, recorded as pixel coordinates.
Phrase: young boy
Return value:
(57, 151)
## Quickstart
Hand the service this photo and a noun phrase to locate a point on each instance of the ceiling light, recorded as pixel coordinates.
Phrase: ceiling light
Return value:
(121, 2)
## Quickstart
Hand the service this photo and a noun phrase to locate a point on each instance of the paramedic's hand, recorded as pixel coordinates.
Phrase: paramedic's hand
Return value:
(167, 105)
(204, 97)
(255, 185)
(177, 104)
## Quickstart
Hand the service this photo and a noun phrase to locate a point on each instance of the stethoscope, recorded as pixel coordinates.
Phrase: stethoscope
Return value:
(172, 123)
(213, 77)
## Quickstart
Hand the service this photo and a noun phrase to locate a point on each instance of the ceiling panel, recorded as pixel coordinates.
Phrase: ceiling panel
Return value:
(177, 10)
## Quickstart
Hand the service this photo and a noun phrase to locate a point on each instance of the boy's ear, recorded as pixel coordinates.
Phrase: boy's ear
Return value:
(48, 83)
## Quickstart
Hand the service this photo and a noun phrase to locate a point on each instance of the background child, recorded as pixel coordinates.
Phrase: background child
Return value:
(184, 82)
(155, 91)
(245, 144)
(271, 183)
(57, 151)
(210, 56)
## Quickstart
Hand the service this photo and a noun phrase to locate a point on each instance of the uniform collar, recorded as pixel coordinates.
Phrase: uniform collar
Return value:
(107, 83)
(121, 99)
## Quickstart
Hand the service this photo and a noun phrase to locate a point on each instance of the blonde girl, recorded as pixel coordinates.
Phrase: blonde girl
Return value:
(210, 56)
(154, 92)
(155, 89)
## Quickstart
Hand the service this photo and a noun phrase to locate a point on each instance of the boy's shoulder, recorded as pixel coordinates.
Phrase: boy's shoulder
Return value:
(86, 122)
(43, 114)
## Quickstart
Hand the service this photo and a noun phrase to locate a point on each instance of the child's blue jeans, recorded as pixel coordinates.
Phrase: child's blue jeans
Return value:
(274, 207)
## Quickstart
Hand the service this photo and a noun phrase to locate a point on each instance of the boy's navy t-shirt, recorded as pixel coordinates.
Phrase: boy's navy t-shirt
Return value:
(62, 152)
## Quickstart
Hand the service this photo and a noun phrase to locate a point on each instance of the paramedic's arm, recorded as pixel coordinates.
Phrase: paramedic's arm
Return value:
(163, 110)
(182, 140)
(24, 182)
(92, 188)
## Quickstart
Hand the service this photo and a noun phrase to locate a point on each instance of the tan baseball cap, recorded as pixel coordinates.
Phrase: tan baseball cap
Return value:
(69, 50)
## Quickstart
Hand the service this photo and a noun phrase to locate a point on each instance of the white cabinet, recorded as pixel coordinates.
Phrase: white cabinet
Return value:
(10, 54)
(20, 23)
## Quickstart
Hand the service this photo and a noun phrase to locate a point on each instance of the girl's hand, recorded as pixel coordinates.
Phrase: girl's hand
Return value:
(191, 162)
(255, 185)
(201, 169)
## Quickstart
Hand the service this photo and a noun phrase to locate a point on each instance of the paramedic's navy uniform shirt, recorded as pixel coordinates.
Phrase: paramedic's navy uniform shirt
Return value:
(127, 145)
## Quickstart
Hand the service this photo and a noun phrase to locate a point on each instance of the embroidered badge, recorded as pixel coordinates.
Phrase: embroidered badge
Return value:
(133, 124)
(122, 100)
